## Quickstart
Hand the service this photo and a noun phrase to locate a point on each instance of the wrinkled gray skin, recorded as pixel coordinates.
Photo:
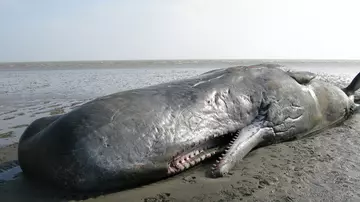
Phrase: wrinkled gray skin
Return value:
(129, 138)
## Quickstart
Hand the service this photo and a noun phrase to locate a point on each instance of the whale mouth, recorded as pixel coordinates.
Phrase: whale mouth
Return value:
(199, 152)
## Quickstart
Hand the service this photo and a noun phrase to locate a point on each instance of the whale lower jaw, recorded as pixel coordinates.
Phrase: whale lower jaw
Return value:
(199, 152)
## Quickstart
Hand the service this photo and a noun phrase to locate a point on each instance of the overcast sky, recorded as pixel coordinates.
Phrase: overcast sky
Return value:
(49, 30)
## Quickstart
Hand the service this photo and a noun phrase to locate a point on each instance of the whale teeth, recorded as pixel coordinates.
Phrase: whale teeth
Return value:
(192, 163)
(186, 165)
(179, 166)
(170, 170)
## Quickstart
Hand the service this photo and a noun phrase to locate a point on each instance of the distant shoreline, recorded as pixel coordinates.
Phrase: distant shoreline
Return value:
(139, 64)
(188, 60)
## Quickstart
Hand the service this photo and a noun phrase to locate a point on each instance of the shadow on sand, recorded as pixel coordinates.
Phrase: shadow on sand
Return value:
(23, 189)
(16, 187)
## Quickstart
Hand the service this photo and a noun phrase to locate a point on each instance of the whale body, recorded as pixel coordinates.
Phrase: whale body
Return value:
(137, 136)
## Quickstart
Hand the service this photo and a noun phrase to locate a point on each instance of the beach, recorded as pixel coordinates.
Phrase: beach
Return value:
(323, 167)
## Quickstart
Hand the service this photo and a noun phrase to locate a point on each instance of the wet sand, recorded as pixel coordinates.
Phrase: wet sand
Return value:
(323, 167)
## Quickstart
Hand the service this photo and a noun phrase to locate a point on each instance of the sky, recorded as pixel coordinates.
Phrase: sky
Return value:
(49, 30)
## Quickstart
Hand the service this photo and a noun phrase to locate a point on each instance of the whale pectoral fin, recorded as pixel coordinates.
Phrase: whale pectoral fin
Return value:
(302, 77)
(246, 139)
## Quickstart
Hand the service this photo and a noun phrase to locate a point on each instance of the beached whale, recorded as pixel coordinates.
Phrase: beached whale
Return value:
(142, 135)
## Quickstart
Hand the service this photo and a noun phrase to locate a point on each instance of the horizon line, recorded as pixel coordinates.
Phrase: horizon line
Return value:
(147, 60)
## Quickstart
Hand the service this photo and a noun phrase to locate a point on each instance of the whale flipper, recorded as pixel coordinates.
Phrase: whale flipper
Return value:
(353, 86)
(302, 77)
(245, 140)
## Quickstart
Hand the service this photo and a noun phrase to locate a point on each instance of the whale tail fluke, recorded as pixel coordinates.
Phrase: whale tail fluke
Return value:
(353, 86)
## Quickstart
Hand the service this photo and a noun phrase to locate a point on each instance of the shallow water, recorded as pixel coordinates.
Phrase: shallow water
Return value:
(9, 171)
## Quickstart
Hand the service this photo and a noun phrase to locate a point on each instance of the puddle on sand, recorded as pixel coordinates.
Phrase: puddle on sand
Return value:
(9, 171)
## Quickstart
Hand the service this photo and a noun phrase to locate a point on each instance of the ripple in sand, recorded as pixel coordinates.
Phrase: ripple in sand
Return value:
(6, 135)
(20, 126)
(8, 112)
(57, 111)
(8, 118)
